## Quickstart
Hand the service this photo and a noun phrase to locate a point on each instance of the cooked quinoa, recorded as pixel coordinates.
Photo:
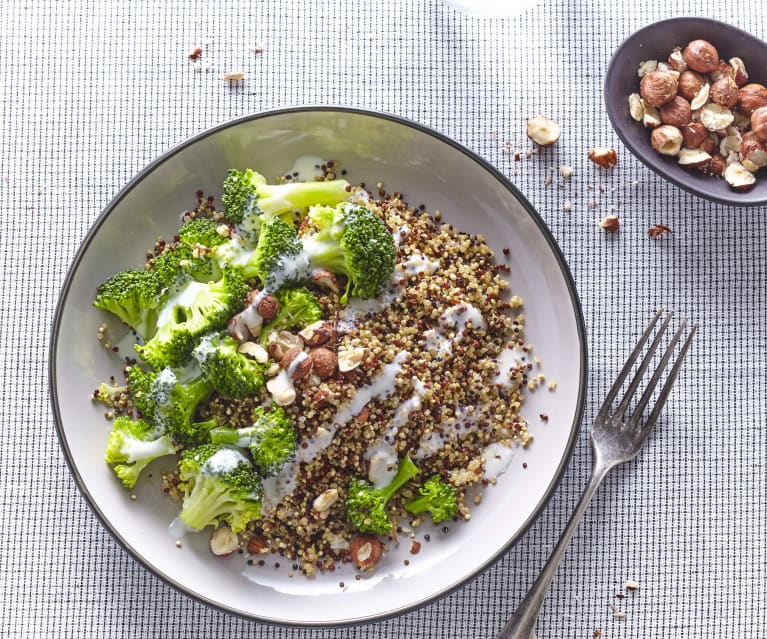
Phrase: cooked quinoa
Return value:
(441, 379)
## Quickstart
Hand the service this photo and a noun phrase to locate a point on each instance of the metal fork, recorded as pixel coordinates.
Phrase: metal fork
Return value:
(616, 437)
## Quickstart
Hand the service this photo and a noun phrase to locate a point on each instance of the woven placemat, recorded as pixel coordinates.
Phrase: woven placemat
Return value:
(94, 91)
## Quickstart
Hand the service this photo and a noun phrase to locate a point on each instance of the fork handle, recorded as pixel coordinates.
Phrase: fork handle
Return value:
(522, 622)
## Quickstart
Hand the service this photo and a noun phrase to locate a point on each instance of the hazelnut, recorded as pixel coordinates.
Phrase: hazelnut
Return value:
(676, 61)
(610, 223)
(690, 83)
(715, 117)
(636, 109)
(701, 97)
(603, 156)
(268, 307)
(658, 88)
(677, 112)
(738, 176)
(708, 145)
(297, 363)
(753, 150)
(694, 134)
(324, 362)
(701, 56)
(543, 131)
(740, 75)
(666, 140)
(759, 123)
(751, 97)
(326, 279)
(254, 350)
(365, 551)
(725, 92)
(257, 545)
(317, 333)
(724, 70)
(693, 157)
(281, 341)
(223, 541)
(716, 165)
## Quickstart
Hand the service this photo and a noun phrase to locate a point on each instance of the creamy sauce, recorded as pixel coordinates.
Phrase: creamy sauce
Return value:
(509, 359)
(497, 458)
(382, 464)
(234, 252)
(402, 233)
(182, 299)
(401, 414)
(418, 263)
(223, 461)
(307, 167)
(137, 449)
(178, 529)
(453, 319)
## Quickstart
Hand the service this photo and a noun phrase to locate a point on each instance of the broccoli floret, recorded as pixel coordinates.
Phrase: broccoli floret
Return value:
(132, 445)
(201, 231)
(170, 405)
(277, 259)
(196, 309)
(248, 200)
(438, 497)
(179, 263)
(366, 505)
(231, 373)
(135, 296)
(298, 308)
(354, 242)
(271, 439)
(219, 483)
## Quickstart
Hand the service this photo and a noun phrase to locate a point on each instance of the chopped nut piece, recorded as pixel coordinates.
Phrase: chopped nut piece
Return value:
(738, 176)
(566, 171)
(658, 230)
(631, 585)
(350, 358)
(701, 97)
(316, 334)
(234, 76)
(325, 500)
(603, 156)
(715, 117)
(223, 541)
(257, 545)
(195, 53)
(693, 157)
(543, 131)
(254, 350)
(365, 551)
(610, 223)
(636, 108)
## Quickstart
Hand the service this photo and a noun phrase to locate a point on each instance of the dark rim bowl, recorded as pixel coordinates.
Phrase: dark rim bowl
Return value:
(72, 355)
(655, 42)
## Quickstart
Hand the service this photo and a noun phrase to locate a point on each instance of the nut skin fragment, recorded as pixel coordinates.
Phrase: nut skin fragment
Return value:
(759, 123)
(257, 545)
(365, 551)
(690, 82)
(223, 541)
(324, 362)
(751, 97)
(666, 140)
(693, 135)
(725, 92)
(543, 131)
(602, 156)
(677, 112)
(701, 56)
(658, 88)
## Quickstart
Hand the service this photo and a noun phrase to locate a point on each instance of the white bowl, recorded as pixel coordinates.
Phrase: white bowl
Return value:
(427, 168)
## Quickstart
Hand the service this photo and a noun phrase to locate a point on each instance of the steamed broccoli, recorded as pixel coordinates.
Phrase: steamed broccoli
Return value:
(353, 241)
(232, 373)
(271, 439)
(277, 259)
(366, 505)
(196, 309)
(438, 497)
(170, 405)
(201, 231)
(179, 263)
(219, 483)
(298, 308)
(135, 296)
(132, 445)
(248, 199)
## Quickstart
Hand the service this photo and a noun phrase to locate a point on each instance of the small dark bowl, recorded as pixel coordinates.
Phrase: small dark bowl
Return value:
(655, 42)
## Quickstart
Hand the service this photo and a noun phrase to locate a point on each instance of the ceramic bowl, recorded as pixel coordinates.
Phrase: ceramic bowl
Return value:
(655, 42)
(428, 168)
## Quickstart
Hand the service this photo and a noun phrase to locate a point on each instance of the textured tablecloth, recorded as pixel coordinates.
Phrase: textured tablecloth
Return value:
(92, 91)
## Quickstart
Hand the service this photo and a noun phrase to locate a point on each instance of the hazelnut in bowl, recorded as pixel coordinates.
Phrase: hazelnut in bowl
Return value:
(688, 97)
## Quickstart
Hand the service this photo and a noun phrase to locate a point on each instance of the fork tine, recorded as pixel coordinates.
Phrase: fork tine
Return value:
(632, 389)
(647, 394)
(616, 387)
(666, 390)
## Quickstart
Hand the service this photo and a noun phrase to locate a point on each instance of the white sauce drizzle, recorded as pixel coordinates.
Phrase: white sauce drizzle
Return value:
(401, 414)
(138, 449)
(452, 319)
(308, 167)
(509, 359)
(223, 461)
(182, 299)
(497, 458)
(382, 463)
